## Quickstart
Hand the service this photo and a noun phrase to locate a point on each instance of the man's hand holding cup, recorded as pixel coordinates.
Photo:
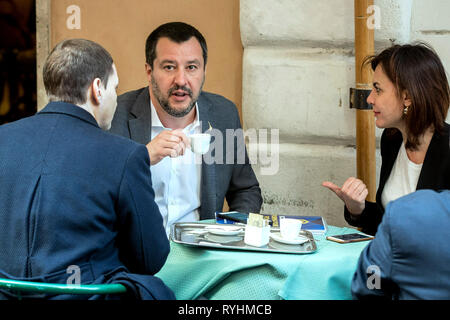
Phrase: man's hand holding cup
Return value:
(169, 143)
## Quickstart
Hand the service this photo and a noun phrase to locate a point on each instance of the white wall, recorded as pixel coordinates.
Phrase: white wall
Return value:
(297, 70)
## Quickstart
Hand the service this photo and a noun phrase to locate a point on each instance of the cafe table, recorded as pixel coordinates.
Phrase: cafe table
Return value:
(224, 274)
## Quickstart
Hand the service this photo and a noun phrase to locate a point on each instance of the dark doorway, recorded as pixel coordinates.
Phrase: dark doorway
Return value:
(17, 59)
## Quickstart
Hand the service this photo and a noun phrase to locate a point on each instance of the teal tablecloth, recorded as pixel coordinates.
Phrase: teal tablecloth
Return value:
(193, 272)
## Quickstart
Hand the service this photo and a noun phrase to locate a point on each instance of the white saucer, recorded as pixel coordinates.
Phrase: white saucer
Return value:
(224, 231)
(277, 237)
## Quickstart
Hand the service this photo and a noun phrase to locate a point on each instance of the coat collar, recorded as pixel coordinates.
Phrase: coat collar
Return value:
(141, 119)
(70, 110)
(205, 109)
(438, 150)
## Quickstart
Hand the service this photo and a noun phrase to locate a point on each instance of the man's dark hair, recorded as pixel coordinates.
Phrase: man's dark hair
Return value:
(72, 66)
(417, 69)
(178, 32)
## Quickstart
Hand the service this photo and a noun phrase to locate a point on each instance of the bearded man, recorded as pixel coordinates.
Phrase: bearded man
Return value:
(173, 107)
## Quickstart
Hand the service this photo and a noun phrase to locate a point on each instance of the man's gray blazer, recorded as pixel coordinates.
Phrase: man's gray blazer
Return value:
(236, 181)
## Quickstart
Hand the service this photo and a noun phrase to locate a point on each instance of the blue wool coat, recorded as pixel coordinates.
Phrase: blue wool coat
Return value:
(73, 194)
(410, 255)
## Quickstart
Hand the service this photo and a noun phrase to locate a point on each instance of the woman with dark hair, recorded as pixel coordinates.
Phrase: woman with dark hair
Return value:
(410, 98)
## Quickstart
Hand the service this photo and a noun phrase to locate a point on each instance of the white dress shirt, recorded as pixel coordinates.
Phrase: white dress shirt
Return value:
(403, 178)
(176, 181)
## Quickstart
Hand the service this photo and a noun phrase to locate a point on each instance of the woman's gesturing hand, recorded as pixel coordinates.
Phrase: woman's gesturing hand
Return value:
(353, 193)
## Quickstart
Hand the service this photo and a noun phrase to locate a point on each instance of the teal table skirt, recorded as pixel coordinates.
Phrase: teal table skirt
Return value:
(218, 274)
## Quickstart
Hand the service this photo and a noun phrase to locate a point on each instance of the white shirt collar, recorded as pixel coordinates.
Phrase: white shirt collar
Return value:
(156, 122)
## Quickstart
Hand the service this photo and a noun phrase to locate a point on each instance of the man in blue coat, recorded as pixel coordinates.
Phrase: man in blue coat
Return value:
(410, 255)
(74, 197)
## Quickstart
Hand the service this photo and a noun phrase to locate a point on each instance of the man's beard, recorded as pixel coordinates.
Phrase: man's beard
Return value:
(164, 102)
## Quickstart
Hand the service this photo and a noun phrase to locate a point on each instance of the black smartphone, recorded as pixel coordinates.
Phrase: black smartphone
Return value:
(233, 216)
(351, 237)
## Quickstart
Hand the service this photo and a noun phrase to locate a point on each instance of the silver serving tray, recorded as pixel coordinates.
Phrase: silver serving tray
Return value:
(195, 234)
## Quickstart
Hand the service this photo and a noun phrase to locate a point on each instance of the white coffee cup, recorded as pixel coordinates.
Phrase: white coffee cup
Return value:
(290, 228)
(200, 142)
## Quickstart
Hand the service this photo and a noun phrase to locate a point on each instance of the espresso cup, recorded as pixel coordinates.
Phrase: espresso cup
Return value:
(200, 142)
(290, 228)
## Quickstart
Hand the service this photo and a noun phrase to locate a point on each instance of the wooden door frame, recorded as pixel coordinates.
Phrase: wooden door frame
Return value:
(43, 39)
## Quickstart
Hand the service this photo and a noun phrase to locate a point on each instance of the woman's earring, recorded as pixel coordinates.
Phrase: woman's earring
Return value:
(405, 110)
